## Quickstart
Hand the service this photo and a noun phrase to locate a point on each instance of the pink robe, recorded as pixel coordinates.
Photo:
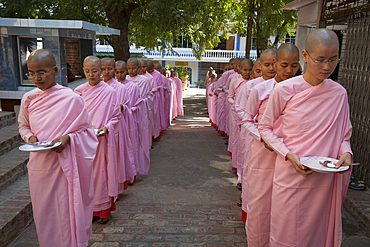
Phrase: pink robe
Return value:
(315, 121)
(126, 158)
(145, 94)
(212, 104)
(227, 105)
(61, 185)
(173, 99)
(160, 99)
(180, 104)
(234, 132)
(101, 103)
(142, 114)
(260, 168)
(246, 140)
(221, 111)
(154, 105)
(142, 157)
(168, 102)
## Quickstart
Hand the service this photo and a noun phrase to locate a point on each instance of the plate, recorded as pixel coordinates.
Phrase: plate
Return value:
(40, 147)
(312, 162)
(98, 134)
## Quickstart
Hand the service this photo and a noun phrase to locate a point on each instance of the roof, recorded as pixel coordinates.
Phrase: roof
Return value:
(297, 4)
(58, 24)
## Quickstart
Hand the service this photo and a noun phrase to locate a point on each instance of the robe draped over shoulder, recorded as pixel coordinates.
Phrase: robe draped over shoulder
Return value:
(61, 185)
(307, 211)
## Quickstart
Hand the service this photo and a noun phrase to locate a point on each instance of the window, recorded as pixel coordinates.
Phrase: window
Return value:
(182, 42)
(26, 46)
(290, 38)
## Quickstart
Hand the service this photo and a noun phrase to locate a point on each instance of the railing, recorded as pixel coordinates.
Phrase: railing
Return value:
(184, 53)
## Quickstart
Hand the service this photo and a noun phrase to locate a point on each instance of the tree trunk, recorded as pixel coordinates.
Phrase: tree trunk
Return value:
(120, 20)
(248, 44)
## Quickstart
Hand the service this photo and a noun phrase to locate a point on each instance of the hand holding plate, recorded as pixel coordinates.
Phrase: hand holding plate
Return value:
(32, 140)
(344, 158)
(64, 140)
(298, 166)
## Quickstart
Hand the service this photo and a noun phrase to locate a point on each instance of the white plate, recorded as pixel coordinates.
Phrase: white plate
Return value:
(98, 134)
(40, 147)
(313, 162)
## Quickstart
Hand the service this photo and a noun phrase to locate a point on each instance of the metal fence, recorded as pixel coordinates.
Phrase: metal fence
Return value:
(354, 75)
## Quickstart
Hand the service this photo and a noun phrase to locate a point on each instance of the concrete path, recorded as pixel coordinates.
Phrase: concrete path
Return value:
(189, 196)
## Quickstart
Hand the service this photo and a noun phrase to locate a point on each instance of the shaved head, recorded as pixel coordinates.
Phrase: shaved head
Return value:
(133, 61)
(121, 63)
(245, 62)
(42, 56)
(143, 62)
(285, 49)
(323, 37)
(158, 65)
(108, 60)
(150, 63)
(92, 59)
(267, 53)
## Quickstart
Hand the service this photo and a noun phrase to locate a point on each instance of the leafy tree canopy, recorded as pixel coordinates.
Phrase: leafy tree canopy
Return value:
(158, 23)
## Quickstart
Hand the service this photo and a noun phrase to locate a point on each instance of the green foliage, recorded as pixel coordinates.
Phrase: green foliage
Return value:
(157, 24)
(198, 83)
(181, 72)
(269, 19)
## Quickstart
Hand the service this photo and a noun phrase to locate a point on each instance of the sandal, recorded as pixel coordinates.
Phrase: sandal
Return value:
(239, 202)
(356, 184)
(103, 220)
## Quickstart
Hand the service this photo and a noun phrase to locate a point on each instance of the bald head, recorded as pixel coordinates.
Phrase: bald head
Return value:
(92, 59)
(108, 61)
(133, 61)
(246, 62)
(42, 56)
(150, 63)
(143, 62)
(286, 48)
(121, 63)
(321, 37)
(267, 54)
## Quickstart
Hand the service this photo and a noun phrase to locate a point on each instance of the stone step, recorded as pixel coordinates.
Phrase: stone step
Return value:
(9, 138)
(15, 210)
(358, 204)
(7, 118)
(12, 166)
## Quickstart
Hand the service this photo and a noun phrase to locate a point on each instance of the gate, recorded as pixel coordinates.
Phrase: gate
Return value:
(354, 75)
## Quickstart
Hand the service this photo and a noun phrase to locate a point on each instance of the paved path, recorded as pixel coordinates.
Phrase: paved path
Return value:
(188, 198)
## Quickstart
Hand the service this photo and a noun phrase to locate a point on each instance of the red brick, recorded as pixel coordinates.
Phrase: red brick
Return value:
(154, 222)
(180, 223)
(233, 223)
(226, 211)
(193, 245)
(4, 210)
(195, 217)
(222, 230)
(219, 245)
(137, 230)
(164, 245)
(193, 229)
(125, 222)
(181, 211)
(236, 238)
(207, 223)
(207, 238)
(240, 230)
(144, 216)
(206, 211)
(169, 216)
(154, 210)
(148, 238)
(21, 198)
(135, 245)
(166, 229)
(19, 204)
(220, 217)
(119, 237)
(179, 238)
